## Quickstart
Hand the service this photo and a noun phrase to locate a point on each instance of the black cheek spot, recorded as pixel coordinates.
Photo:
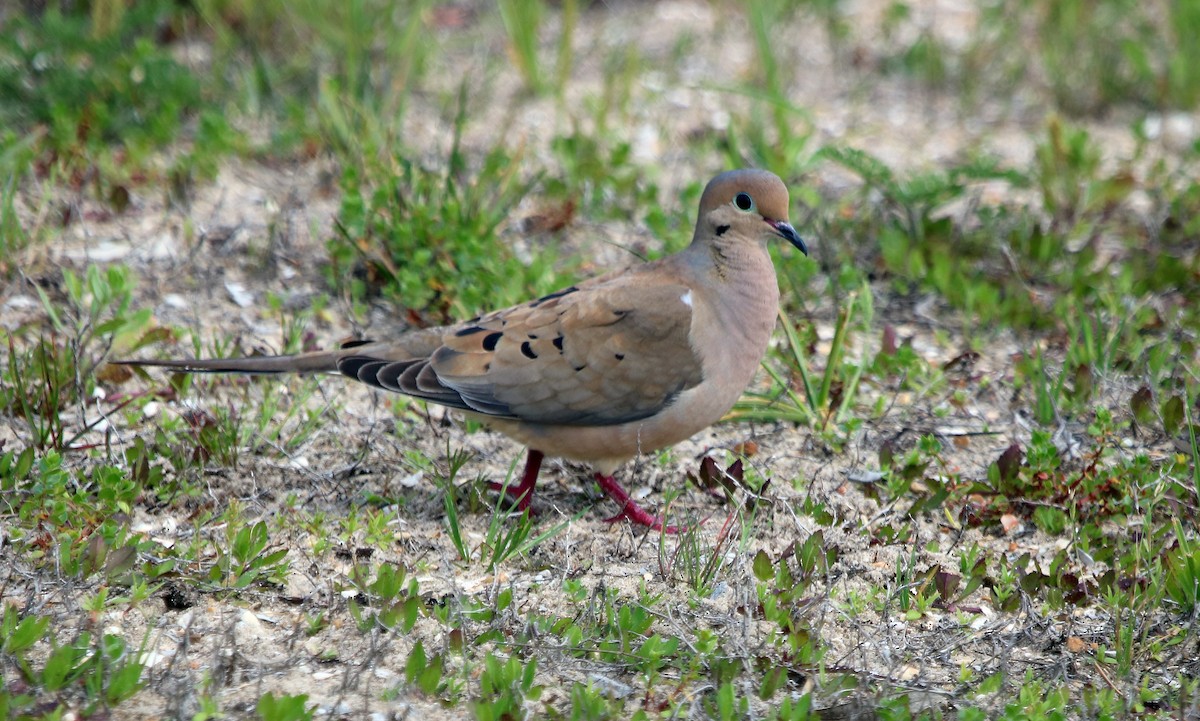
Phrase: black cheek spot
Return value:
(527, 350)
(722, 229)
(533, 336)
(489, 342)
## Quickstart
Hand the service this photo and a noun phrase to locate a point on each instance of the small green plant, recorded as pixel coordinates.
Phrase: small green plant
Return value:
(522, 21)
(13, 234)
(599, 177)
(589, 703)
(776, 133)
(101, 96)
(782, 586)
(915, 593)
(1066, 162)
(99, 669)
(798, 396)
(38, 383)
(1182, 567)
(284, 708)
(1048, 393)
(393, 604)
(426, 673)
(507, 536)
(85, 506)
(695, 561)
(282, 417)
(415, 235)
(505, 686)
(790, 709)
(247, 557)
(375, 55)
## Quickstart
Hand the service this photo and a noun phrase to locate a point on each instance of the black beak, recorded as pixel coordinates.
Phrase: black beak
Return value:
(788, 233)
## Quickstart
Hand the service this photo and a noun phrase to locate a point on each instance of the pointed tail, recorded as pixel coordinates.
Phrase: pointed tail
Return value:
(317, 362)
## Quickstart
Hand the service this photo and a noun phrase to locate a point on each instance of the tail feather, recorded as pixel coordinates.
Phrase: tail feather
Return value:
(317, 362)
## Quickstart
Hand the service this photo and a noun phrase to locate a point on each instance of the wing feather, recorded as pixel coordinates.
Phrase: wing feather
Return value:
(600, 354)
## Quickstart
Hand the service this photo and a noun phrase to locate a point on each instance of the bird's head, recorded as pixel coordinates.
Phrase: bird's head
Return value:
(750, 204)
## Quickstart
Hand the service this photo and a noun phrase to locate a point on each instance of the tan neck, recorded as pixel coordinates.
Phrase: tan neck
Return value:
(743, 287)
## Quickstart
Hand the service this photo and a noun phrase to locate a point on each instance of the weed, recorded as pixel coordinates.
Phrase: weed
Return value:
(456, 460)
(375, 54)
(391, 604)
(522, 20)
(797, 396)
(284, 708)
(599, 177)
(589, 703)
(13, 235)
(247, 558)
(504, 689)
(89, 672)
(425, 673)
(778, 142)
(694, 561)
(40, 383)
(1182, 567)
(416, 234)
(1088, 56)
(506, 537)
(91, 87)
(781, 592)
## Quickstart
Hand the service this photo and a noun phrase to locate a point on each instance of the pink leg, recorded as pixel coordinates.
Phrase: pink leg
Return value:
(630, 509)
(522, 493)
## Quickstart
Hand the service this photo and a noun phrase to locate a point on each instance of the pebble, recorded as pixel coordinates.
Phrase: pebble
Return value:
(248, 628)
(238, 294)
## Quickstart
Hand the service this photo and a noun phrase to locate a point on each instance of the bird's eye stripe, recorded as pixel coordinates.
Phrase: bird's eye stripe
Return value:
(743, 201)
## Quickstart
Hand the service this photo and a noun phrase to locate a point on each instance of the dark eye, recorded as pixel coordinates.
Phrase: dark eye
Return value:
(743, 201)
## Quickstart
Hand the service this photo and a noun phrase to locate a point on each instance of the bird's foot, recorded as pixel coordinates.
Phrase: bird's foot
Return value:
(522, 493)
(630, 510)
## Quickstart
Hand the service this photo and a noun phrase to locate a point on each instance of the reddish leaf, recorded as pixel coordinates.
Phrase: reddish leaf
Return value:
(1009, 463)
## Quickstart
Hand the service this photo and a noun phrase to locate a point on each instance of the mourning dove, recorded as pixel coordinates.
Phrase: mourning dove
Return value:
(626, 363)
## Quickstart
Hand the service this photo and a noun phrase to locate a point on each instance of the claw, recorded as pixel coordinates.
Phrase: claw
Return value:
(630, 510)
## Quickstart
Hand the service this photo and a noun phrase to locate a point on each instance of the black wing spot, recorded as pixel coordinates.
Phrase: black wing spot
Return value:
(721, 229)
(558, 343)
(355, 343)
(527, 350)
(552, 296)
(620, 356)
(470, 330)
(533, 336)
(579, 368)
(489, 342)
